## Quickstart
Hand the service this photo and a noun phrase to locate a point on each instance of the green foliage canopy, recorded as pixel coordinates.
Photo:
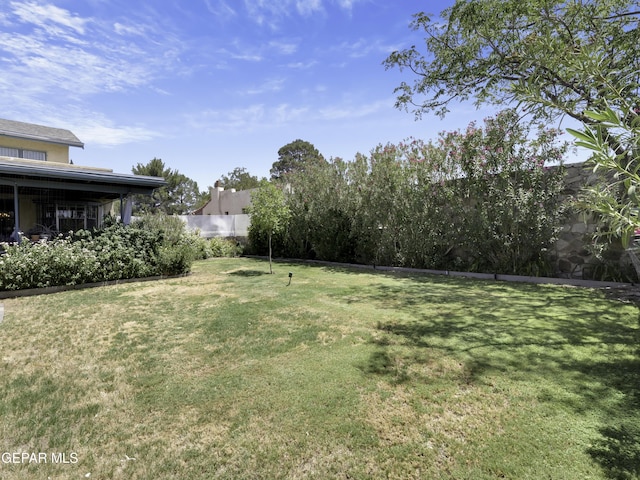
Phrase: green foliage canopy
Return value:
(616, 198)
(577, 58)
(531, 52)
(240, 179)
(269, 212)
(295, 157)
(180, 196)
(478, 200)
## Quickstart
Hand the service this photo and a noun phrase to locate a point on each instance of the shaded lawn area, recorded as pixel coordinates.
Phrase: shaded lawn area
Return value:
(232, 373)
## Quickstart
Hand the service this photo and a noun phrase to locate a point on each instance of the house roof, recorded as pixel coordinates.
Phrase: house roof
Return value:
(30, 131)
(42, 174)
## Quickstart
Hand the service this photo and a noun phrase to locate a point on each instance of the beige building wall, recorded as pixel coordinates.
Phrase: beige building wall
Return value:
(55, 153)
(227, 202)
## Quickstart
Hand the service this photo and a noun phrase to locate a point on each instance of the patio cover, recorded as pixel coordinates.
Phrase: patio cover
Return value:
(69, 177)
(85, 181)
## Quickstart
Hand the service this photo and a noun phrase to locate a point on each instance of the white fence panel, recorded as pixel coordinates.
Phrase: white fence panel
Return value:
(218, 225)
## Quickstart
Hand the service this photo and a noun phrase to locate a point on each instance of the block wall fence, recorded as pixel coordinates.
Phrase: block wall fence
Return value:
(571, 255)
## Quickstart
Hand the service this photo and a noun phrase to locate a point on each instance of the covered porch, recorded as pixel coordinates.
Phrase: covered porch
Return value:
(41, 199)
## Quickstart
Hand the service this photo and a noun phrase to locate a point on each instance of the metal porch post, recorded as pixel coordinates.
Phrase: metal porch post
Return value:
(16, 214)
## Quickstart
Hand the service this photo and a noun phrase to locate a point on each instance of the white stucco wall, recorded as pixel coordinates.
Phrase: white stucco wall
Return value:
(217, 225)
(227, 202)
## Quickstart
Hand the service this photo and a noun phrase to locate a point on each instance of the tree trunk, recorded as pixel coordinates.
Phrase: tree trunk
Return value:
(270, 269)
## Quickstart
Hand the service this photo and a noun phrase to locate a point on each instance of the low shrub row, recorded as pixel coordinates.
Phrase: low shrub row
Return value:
(153, 245)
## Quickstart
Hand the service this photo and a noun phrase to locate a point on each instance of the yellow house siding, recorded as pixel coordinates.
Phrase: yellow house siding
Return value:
(55, 153)
(28, 213)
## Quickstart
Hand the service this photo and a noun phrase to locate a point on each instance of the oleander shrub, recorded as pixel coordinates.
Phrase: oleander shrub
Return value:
(122, 251)
(113, 252)
(169, 229)
(483, 199)
(60, 262)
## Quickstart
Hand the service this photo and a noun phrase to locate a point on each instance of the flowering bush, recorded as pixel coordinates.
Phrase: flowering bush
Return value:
(478, 200)
(61, 262)
(514, 207)
(110, 253)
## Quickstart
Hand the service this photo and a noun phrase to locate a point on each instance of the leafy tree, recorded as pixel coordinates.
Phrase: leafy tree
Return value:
(186, 195)
(320, 201)
(239, 179)
(615, 200)
(295, 157)
(180, 196)
(269, 212)
(613, 136)
(577, 58)
(531, 52)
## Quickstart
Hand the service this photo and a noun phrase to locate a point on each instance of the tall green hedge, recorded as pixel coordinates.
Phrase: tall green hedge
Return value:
(482, 199)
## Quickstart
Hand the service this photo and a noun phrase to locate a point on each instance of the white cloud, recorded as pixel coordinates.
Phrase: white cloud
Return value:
(286, 114)
(220, 8)
(347, 4)
(353, 111)
(246, 119)
(308, 7)
(256, 53)
(48, 17)
(302, 65)
(43, 67)
(269, 86)
(57, 51)
(285, 48)
(247, 57)
(363, 47)
(262, 117)
(227, 120)
(270, 12)
(121, 29)
(100, 134)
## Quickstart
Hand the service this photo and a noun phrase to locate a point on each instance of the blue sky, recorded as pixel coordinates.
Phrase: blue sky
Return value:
(210, 85)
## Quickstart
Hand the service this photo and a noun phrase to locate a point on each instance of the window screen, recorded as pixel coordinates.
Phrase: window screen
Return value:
(20, 153)
(9, 152)
(34, 155)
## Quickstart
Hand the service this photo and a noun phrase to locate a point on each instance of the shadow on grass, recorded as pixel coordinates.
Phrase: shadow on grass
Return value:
(574, 340)
(618, 451)
(248, 273)
(382, 363)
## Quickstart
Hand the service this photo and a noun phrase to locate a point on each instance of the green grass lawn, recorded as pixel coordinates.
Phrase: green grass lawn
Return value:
(231, 373)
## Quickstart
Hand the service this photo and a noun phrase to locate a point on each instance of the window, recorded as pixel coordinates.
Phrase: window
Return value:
(22, 153)
(9, 152)
(34, 155)
(69, 217)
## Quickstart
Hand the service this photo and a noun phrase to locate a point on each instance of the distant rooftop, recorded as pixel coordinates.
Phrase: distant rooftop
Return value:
(11, 128)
